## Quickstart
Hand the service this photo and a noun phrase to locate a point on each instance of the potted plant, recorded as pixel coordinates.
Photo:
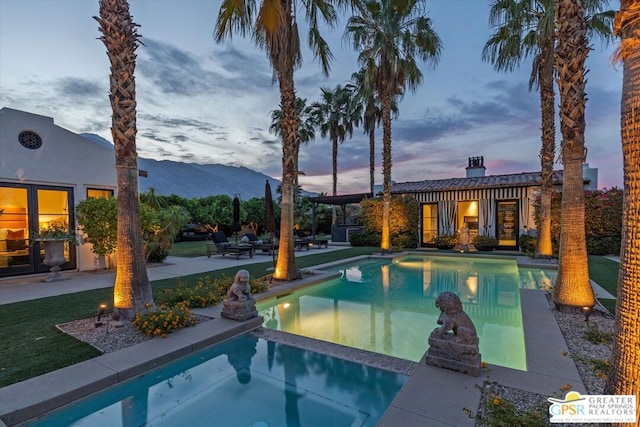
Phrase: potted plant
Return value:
(445, 241)
(485, 243)
(53, 238)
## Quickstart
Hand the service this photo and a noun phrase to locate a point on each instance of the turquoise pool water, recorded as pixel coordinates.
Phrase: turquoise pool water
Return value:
(388, 306)
(245, 381)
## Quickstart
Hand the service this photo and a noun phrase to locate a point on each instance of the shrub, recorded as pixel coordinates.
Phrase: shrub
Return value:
(206, 291)
(445, 241)
(165, 319)
(486, 241)
(365, 239)
(604, 245)
(528, 244)
(404, 239)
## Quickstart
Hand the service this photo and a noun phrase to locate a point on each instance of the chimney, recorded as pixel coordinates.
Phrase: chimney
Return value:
(476, 167)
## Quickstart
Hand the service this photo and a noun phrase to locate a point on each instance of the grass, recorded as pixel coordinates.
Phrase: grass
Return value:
(30, 344)
(189, 249)
(604, 272)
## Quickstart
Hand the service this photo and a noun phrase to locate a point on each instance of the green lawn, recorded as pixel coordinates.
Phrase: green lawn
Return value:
(30, 345)
(604, 272)
(189, 249)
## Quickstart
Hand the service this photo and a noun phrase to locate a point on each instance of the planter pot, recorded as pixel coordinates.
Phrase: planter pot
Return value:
(54, 258)
(485, 248)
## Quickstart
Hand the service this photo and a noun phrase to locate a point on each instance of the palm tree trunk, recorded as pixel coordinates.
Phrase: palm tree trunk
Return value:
(572, 288)
(334, 153)
(372, 159)
(132, 289)
(544, 248)
(286, 268)
(624, 375)
(385, 243)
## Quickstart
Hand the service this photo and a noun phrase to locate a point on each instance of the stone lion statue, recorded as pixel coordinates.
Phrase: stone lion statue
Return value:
(453, 318)
(240, 289)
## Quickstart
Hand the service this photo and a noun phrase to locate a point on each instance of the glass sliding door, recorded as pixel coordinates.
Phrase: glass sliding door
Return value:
(14, 230)
(429, 223)
(26, 208)
(507, 223)
(53, 210)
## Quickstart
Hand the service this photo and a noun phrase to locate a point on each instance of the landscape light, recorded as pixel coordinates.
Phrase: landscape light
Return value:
(101, 310)
(587, 312)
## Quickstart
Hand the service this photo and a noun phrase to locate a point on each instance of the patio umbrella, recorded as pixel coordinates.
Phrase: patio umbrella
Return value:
(236, 214)
(269, 217)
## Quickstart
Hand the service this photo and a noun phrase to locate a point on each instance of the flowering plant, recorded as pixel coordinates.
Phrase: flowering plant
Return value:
(56, 230)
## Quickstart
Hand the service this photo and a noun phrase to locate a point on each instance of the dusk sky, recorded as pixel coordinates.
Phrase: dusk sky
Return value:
(203, 102)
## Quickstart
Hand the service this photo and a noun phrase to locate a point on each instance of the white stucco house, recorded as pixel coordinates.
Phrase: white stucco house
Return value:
(45, 170)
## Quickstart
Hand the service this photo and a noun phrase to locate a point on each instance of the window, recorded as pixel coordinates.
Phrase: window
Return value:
(29, 139)
(98, 193)
(429, 223)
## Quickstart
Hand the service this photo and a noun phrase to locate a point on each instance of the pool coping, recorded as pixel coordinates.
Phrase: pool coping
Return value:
(432, 396)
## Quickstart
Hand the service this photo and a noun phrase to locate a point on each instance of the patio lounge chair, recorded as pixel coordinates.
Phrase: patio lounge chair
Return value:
(264, 247)
(223, 246)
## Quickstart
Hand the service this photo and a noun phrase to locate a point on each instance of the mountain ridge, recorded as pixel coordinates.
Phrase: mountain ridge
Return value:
(195, 180)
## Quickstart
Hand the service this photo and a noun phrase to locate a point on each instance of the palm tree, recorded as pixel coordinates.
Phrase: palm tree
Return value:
(273, 25)
(132, 289)
(306, 132)
(624, 376)
(334, 116)
(371, 115)
(526, 28)
(391, 35)
(572, 287)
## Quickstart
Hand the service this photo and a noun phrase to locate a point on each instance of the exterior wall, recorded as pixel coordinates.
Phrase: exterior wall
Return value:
(525, 196)
(65, 159)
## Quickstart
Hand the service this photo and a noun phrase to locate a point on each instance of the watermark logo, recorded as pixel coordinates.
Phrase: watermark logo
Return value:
(577, 408)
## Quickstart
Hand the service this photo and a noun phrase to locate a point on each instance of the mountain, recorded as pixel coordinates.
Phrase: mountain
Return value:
(192, 180)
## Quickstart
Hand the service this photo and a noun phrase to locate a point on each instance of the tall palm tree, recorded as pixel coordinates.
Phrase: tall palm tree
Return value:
(624, 376)
(306, 132)
(572, 287)
(334, 116)
(391, 36)
(526, 28)
(371, 115)
(132, 289)
(273, 26)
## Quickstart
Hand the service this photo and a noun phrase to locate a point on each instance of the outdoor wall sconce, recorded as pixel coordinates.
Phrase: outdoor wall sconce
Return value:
(101, 310)
(587, 312)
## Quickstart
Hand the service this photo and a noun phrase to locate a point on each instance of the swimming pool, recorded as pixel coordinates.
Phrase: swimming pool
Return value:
(387, 306)
(245, 381)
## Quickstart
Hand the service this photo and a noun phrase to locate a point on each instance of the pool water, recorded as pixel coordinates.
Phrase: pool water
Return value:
(245, 381)
(388, 306)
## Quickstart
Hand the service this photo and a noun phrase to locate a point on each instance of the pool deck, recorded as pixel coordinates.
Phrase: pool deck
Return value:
(432, 396)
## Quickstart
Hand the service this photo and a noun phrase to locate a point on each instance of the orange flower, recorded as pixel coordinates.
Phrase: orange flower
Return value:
(496, 401)
(566, 387)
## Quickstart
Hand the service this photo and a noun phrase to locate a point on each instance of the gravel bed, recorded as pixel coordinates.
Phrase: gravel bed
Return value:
(108, 338)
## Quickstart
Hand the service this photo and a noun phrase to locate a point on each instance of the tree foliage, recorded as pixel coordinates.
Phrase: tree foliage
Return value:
(603, 220)
(404, 217)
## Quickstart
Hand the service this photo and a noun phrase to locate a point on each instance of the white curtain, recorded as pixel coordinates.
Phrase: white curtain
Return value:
(486, 221)
(447, 216)
(524, 215)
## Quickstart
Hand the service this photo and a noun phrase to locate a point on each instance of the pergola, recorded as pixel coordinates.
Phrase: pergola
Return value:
(342, 201)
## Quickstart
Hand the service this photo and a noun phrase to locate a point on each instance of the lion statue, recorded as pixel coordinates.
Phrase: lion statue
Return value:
(240, 289)
(453, 318)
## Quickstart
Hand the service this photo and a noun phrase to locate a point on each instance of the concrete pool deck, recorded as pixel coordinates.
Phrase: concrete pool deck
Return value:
(431, 396)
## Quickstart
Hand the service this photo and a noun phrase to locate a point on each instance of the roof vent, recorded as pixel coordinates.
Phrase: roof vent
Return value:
(476, 167)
